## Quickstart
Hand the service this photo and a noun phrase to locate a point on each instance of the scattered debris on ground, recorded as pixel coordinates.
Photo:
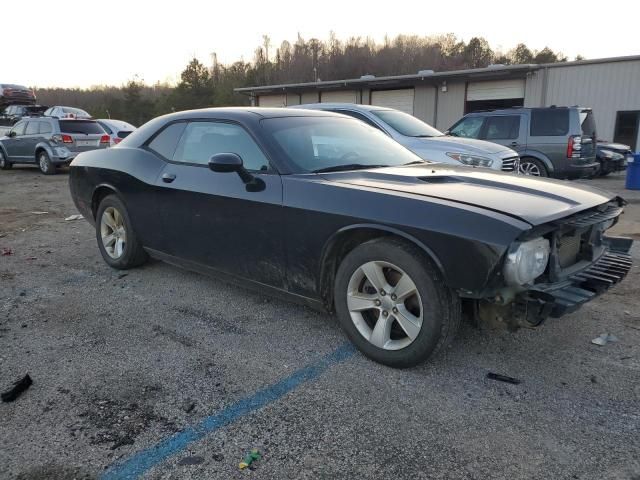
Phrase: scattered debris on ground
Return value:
(122, 275)
(249, 458)
(218, 457)
(18, 388)
(39, 213)
(6, 251)
(502, 378)
(73, 217)
(605, 338)
(188, 406)
(191, 460)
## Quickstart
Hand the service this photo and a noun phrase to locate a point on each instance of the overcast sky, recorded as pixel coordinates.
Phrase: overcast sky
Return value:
(83, 43)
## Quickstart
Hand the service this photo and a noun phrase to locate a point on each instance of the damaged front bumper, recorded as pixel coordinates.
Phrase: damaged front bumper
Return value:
(531, 307)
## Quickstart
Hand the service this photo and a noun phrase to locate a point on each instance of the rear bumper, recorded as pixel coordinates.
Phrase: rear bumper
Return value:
(611, 165)
(558, 299)
(581, 170)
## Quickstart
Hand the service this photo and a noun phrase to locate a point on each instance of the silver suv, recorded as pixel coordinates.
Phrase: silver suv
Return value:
(50, 142)
(424, 140)
(557, 142)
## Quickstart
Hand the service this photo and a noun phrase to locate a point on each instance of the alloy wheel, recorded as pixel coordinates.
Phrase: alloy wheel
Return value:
(384, 305)
(113, 232)
(529, 168)
(44, 164)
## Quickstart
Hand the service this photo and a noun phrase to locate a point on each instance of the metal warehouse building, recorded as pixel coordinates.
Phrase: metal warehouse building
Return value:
(611, 86)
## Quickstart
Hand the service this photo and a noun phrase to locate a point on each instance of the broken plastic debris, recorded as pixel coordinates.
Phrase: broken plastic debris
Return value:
(502, 378)
(605, 338)
(38, 213)
(249, 458)
(17, 389)
(73, 217)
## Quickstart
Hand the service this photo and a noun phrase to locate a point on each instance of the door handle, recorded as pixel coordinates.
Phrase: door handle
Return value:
(514, 144)
(168, 177)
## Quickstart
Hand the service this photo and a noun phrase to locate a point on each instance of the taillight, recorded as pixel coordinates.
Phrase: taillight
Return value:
(574, 145)
(117, 140)
(67, 138)
(105, 139)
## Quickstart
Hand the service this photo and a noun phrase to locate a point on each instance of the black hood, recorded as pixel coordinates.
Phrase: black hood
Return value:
(531, 199)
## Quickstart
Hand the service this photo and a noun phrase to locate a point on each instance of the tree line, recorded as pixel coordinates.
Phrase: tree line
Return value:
(301, 61)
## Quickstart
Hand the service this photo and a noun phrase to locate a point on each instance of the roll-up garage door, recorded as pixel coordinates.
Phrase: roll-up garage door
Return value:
(345, 96)
(271, 101)
(495, 90)
(399, 99)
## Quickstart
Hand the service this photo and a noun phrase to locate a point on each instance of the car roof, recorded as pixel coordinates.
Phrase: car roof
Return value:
(345, 106)
(115, 123)
(245, 112)
(525, 109)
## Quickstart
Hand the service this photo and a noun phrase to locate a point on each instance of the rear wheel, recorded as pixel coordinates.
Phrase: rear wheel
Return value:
(44, 163)
(117, 241)
(4, 163)
(533, 167)
(392, 303)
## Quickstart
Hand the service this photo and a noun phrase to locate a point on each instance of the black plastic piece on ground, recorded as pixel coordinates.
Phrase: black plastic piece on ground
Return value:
(502, 378)
(17, 389)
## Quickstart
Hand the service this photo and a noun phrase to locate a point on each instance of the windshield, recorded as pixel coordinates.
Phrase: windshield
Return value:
(587, 123)
(324, 143)
(406, 124)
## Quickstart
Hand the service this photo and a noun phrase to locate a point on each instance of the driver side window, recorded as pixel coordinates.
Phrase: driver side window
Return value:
(19, 128)
(468, 128)
(201, 140)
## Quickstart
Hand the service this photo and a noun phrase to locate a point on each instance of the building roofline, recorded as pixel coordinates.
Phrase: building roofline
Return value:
(491, 72)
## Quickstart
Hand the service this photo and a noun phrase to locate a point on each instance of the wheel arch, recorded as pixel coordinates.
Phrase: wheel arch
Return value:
(348, 238)
(40, 147)
(539, 156)
(100, 192)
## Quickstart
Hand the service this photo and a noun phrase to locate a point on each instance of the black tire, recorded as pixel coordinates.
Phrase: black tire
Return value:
(441, 307)
(534, 162)
(44, 163)
(133, 255)
(4, 163)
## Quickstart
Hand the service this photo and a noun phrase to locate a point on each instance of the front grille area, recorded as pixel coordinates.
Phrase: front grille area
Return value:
(568, 250)
(585, 219)
(510, 164)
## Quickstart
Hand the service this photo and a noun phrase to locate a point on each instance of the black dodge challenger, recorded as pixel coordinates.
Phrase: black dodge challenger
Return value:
(326, 210)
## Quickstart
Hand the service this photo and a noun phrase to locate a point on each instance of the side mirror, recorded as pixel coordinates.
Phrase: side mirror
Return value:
(11, 134)
(225, 163)
(231, 162)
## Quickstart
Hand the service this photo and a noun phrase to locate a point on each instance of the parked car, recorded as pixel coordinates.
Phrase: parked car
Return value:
(554, 142)
(612, 157)
(11, 94)
(325, 210)
(116, 129)
(424, 140)
(66, 112)
(50, 142)
(13, 113)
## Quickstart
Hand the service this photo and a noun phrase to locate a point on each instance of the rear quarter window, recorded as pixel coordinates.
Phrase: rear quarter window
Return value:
(549, 122)
(80, 126)
(166, 142)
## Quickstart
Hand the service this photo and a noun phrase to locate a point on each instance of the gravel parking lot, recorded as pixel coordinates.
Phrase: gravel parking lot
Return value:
(165, 373)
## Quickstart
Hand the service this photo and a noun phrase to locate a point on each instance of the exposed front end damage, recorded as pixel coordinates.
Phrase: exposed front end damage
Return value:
(582, 263)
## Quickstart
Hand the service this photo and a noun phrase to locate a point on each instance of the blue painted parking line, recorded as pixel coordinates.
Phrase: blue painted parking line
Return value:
(144, 460)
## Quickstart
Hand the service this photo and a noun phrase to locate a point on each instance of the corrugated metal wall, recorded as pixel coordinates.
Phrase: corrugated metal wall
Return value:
(606, 87)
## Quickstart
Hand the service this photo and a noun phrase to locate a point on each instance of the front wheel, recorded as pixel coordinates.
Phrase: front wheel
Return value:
(117, 241)
(4, 163)
(392, 303)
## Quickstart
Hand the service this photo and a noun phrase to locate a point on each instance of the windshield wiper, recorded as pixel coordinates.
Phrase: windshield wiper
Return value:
(349, 166)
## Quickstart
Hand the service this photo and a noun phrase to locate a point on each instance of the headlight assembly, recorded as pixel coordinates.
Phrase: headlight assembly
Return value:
(526, 261)
(474, 160)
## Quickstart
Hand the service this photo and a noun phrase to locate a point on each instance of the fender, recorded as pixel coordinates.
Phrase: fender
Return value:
(539, 156)
(46, 148)
(328, 248)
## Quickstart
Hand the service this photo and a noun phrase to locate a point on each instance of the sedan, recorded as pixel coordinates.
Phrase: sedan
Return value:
(325, 210)
(116, 129)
